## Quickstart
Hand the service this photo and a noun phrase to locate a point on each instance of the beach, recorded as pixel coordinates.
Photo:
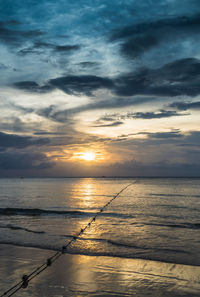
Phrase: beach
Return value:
(144, 243)
(79, 275)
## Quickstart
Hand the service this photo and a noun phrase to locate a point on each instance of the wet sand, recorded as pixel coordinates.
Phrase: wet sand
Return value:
(79, 275)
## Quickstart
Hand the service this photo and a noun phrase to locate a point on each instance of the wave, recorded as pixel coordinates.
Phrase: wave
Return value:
(146, 248)
(14, 227)
(180, 225)
(174, 195)
(10, 211)
(127, 251)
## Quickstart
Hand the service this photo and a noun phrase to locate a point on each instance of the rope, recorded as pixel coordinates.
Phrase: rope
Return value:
(26, 278)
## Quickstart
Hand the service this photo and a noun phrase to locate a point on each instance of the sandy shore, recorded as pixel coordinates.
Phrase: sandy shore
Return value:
(78, 275)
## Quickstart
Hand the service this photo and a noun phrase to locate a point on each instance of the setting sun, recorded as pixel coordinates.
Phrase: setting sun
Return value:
(89, 156)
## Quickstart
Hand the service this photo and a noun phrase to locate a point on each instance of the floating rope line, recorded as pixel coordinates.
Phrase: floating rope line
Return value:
(26, 278)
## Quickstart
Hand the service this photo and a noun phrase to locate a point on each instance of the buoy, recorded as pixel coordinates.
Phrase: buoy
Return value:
(63, 249)
(49, 262)
(25, 281)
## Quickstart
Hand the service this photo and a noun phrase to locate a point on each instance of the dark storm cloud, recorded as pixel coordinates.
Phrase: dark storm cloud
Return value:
(31, 86)
(84, 84)
(185, 105)
(16, 37)
(135, 47)
(73, 85)
(139, 38)
(19, 142)
(181, 77)
(20, 161)
(164, 135)
(39, 47)
(66, 48)
(10, 22)
(155, 115)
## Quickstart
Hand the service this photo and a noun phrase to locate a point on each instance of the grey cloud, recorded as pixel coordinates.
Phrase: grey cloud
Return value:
(33, 87)
(185, 105)
(47, 112)
(116, 117)
(181, 77)
(139, 38)
(19, 142)
(40, 46)
(176, 133)
(64, 115)
(75, 85)
(16, 37)
(135, 47)
(84, 84)
(161, 135)
(66, 48)
(113, 124)
(24, 161)
(154, 169)
(11, 22)
(155, 115)
(49, 133)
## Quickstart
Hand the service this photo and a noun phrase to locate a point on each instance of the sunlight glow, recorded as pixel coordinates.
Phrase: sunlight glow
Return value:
(88, 156)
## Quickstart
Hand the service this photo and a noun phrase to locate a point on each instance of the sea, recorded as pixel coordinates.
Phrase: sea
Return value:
(154, 219)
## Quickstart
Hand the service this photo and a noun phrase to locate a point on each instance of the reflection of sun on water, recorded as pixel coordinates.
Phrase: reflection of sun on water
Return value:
(86, 192)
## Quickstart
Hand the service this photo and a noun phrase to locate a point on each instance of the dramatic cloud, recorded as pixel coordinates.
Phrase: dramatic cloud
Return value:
(185, 105)
(16, 37)
(139, 38)
(120, 79)
(142, 115)
(23, 161)
(181, 77)
(31, 86)
(63, 116)
(155, 115)
(161, 135)
(75, 85)
(19, 142)
(39, 47)
(81, 84)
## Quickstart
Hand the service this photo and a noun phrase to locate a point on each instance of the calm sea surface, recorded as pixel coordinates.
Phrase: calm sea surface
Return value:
(155, 219)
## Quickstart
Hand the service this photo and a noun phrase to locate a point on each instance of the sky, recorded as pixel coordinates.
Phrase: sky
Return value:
(99, 88)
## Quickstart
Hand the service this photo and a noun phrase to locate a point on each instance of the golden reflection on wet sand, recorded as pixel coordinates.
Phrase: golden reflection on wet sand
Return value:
(78, 275)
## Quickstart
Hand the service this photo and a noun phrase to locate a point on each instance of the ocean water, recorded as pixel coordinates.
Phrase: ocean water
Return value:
(153, 219)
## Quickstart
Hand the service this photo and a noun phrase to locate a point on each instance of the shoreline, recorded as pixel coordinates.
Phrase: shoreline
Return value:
(81, 275)
(96, 255)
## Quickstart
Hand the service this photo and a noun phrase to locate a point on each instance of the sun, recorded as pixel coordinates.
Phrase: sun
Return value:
(89, 156)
